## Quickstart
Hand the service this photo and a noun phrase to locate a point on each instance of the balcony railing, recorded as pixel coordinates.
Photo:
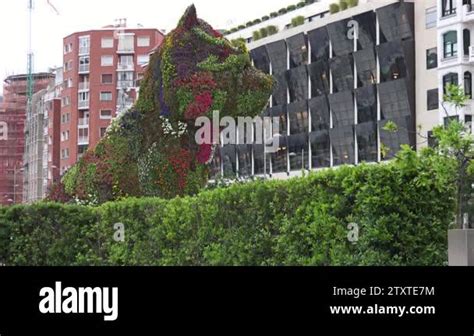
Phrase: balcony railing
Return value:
(83, 104)
(83, 140)
(83, 68)
(84, 86)
(84, 50)
(83, 122)
(125, 67)
(125, 84)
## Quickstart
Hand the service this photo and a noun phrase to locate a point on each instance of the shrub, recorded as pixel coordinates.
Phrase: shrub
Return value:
(282, 11)
(265, 18)
(334, 8)
(403, 210)
(249, 24)
(298, 21)
(301, 4)
(343, 4)
(233, 30)
(352, 3)
(272, 30)
(256, 35)
(256, 21)
(263, 32)
(309, 2)
(241, 27)
(291, 8)
(273, 14)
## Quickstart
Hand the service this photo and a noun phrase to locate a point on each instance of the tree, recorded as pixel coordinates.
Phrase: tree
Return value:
(455, 141)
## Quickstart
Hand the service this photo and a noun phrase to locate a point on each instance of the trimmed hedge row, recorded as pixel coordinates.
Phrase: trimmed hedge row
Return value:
(403, 210)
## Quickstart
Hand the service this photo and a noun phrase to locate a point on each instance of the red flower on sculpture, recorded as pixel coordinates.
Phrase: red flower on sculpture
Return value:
(204, 154)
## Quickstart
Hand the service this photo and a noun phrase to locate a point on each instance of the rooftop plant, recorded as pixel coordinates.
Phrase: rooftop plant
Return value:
(297, 21)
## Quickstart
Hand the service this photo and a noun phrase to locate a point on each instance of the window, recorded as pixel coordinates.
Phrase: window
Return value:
(432, 58)
(84, 64)
(83, 96)
(65, 136)
(466, 34)
(107, 42)
(106, 114)
(106, 96)
(102, 131)
(450, 78)
(449, 7)
(65, 153)
(468, 84)
(107, 60)
(107, 79)
(143, 59)
(84, 45)
(65, 118)
(126, 60)
(143, 41)
(126, 42)
(431, 17)
(433, 99)
(66, 101)
(450, 43)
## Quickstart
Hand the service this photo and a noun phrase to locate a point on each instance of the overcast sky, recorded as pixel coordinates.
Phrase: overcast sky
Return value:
(75, 15)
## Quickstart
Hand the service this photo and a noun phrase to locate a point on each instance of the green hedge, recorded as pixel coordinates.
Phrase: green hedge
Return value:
(403, 210)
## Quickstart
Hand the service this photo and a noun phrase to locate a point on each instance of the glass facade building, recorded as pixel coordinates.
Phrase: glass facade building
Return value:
(337, 86)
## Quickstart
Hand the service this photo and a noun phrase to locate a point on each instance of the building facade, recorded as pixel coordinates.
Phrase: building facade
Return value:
(455, 26)
(42, 128)
(340, 79)
(12, 137)
(102, 69)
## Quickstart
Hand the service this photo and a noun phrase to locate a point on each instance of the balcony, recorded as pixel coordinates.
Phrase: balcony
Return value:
(84, 86)
(125, 84)
(84, 68)
(125, 49)
(84, 50)
(83, 122)
(82, 140)
(83, 105)
(126, 67)
(468, 13)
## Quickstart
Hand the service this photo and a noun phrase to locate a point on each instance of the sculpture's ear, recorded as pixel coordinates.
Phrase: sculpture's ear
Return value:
(189, 19)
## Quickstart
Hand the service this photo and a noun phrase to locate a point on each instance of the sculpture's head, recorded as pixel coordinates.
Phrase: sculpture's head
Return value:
(151, 149)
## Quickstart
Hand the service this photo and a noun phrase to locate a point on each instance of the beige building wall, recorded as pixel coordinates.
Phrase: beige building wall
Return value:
(426, 38)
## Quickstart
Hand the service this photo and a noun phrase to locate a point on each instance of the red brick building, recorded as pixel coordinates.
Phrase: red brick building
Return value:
(101, 71)
(12, 134)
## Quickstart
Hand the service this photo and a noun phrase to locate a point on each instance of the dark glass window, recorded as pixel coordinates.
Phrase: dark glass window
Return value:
(298, 152)
(261, 164)
(215, 166)
(392, 61)
(278, 56)
(280, 158)
(261, 59)
(342, 69)
(448, 120)
(466, 33)
(432, 58)
(450, 78)
(338, 34)
(432, 142)
(449, 7)
(244, 153)
(342, 140)
(405, 135)
(366, 104)
(468, 84)
(342, 107)
(280, 91)
(320, 149)
(320, 116)
(433, 99)
(299, 121)
(367, 30)
(229, 160)
(319, 75)
(298, 47)
(319, 41)
(394, 100)
(450, 44)
(396, 21)
(298, 83)
(366, 67)
(367, 142)
(280, 112)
